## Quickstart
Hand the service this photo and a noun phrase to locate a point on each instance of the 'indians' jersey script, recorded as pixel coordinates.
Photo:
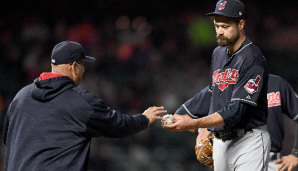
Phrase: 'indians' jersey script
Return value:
(223, 79)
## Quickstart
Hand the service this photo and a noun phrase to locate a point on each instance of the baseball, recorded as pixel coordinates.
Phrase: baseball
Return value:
(169, 119)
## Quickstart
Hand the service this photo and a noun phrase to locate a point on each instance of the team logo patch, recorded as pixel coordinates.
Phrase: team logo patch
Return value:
(274, 99)
(252, 85)
(224, 79)
(222, 5)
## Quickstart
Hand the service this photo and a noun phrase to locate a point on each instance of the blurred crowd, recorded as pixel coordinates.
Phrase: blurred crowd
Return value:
(148, 53)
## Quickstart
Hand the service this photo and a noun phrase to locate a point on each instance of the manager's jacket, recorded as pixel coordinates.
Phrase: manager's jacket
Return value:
(50, 123)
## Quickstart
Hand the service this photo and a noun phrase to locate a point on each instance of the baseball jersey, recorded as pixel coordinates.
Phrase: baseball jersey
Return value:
(281, 99)
(198, 106)
(239, 77)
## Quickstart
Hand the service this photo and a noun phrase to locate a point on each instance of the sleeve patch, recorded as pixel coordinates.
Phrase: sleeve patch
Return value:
(252, 85)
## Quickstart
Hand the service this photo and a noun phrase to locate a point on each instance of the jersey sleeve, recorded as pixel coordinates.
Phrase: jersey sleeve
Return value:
(104, 121)
(232, 113)
(289, 100)
(249, 85)
(199, 104)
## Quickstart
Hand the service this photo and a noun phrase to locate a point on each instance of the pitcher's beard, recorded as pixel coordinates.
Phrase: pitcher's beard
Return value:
(224, 41)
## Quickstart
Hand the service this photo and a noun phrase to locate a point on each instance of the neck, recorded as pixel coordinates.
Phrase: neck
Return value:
(63, 69)
(233, 47)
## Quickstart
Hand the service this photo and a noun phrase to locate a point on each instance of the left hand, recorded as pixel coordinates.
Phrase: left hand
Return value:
(204, 133)
(181, 123)
(204, 151)
(288, 162)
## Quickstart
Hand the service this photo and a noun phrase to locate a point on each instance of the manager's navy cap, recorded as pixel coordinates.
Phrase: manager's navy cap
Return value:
(229, 8)
(67, 52)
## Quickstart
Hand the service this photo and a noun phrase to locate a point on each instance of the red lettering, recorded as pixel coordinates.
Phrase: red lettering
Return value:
(270, 97)
(214, 76)
(226, 75)
(273, 99)
(234, 74)
(225, 78)
(277, 97)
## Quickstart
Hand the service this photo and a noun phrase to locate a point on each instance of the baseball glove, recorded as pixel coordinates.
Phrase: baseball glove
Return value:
(204, 151)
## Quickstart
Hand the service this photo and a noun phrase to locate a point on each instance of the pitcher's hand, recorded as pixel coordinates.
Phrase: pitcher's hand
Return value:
(181, 123)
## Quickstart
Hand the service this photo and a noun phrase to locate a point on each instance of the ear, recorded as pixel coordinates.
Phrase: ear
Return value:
(241, 24)
(74, 68)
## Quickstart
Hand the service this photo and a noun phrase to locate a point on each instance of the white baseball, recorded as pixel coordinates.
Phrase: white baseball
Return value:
(169, 119)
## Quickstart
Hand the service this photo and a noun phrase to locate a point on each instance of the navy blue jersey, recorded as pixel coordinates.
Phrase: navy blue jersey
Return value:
(281, 99)
(198, 106)
(242, 77)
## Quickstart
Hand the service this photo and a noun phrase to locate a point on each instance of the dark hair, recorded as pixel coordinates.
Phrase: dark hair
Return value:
(237, 20)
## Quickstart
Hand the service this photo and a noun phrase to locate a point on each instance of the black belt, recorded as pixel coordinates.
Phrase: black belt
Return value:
(229, 135)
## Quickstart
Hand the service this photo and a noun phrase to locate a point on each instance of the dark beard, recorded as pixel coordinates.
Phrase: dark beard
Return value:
(224, 41)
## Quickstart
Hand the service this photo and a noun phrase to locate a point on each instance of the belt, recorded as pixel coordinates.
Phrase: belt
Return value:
(274, 156)
(229, 135)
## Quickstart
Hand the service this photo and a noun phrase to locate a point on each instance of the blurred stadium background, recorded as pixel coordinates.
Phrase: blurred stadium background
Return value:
(149, 52)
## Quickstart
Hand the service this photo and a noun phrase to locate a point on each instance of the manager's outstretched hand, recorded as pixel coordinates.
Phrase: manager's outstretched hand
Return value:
(181, 123)
(153, 112)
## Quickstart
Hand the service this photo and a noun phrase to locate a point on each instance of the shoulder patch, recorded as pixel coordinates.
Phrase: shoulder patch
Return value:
(253, 85)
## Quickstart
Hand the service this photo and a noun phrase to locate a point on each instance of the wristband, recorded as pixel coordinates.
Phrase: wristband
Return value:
(295, 152)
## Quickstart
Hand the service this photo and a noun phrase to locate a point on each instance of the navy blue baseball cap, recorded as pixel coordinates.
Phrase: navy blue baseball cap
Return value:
(229, 8)
(67, 52)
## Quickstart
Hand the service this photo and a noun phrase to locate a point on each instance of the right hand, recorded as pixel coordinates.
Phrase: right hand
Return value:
(181, 123)
(153, 112)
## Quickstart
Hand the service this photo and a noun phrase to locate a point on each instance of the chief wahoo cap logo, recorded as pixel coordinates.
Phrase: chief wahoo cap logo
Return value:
(222, 5)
